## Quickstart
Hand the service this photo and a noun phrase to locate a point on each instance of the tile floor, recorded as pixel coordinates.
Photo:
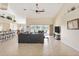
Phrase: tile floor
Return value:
(51, 47)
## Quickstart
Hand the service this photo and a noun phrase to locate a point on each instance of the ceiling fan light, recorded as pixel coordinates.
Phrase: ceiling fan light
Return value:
(36, 4)
(36, 10)
(25, 9)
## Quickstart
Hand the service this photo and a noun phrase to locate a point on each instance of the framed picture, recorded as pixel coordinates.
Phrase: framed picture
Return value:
(73, 24)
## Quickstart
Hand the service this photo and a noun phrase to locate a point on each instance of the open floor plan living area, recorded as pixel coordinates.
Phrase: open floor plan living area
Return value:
(39, 29)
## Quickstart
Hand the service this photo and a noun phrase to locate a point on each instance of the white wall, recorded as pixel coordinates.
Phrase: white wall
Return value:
(69, 37)
(39, 21)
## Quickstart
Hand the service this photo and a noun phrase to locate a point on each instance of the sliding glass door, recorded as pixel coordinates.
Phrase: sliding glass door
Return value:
(37, 28)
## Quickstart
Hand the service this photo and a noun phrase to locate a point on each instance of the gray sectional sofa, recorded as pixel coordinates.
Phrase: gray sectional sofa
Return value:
(31, 38)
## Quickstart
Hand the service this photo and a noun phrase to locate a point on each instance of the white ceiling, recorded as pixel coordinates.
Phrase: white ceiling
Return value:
(51, 9)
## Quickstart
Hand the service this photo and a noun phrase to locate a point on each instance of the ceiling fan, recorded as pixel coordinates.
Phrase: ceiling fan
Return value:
(37, 9)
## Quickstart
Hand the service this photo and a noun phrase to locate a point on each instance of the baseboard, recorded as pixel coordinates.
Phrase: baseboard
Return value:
(69, 45)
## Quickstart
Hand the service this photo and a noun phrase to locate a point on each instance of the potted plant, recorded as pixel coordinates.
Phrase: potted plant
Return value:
(14, 20)
(8, 17)
(3, 15)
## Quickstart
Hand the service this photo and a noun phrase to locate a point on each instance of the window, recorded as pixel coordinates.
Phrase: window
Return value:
(36, 28)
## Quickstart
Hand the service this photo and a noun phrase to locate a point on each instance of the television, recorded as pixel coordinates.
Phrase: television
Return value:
(57, 29)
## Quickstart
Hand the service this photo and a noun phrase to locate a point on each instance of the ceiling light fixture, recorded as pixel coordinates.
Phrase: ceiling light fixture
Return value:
(25, 9)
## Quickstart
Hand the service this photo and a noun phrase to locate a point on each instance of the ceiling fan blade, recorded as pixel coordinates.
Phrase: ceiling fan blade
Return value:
(41, 10)
(37, 10)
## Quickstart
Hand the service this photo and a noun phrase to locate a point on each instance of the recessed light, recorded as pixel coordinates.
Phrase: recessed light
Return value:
(25, 9)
